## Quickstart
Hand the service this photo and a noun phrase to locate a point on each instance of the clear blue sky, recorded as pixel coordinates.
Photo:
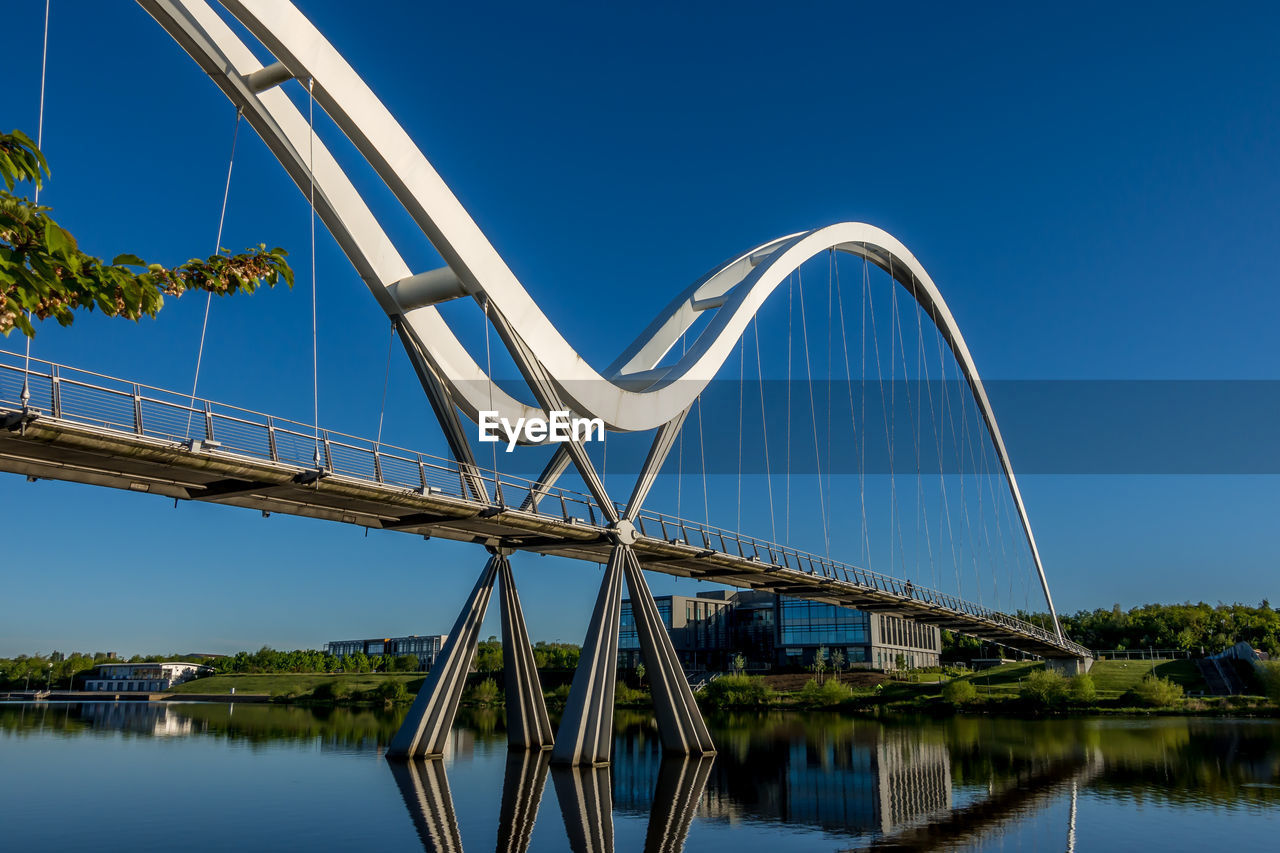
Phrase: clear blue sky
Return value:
(1093, 186)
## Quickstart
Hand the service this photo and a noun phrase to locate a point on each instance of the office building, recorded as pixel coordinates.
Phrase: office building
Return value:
(425, 647)
(708, 630)
(143, 677)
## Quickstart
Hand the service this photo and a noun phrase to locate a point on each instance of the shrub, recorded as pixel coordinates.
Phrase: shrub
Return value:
(393, 692)
(623, 694)
(1044, 687)
(737, 691)
(1268, 672)
(1156, 692)
(1081, 689)
(959, 692)
(821, 695)
(334, 690)
(558, 696)
(485, 693)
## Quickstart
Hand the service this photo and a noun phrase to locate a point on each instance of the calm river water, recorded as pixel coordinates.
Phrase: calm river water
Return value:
(199, 777)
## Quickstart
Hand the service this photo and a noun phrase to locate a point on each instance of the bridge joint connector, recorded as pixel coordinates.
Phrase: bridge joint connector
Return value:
(17, 421)
(623, 532)
(312, 475)
(498, 547)
(267, 77)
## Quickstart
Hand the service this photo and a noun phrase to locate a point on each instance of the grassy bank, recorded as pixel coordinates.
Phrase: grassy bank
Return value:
(1117, 687)
(303, 686)
(1113, 687)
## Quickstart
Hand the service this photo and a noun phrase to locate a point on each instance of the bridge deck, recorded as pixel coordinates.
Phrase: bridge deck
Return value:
(88, 428)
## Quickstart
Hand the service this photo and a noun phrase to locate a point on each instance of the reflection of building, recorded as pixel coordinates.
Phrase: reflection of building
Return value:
(425, 647)
(868, 780)
(125, 677)
(146, 718)
(709, 629)
(915, 780)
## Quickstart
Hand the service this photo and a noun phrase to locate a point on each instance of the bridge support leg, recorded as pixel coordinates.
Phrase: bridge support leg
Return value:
(528, 726)
(680, 721)
(1069, 666)
(586, 729)
(425, 730)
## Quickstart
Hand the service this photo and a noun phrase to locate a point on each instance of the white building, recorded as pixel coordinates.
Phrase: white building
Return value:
(144, 677)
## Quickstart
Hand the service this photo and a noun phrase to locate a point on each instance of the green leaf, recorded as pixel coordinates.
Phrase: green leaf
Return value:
(57, 239)
(128, 260)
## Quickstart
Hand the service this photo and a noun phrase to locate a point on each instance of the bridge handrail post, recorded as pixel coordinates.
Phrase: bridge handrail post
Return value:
(377, 465)
(208, 428)
(55, 390)
(272, 448)
(328, 452)
(422, 474)
(137, 409)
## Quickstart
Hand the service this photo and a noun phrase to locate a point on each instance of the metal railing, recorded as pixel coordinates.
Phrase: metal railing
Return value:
(105, 402)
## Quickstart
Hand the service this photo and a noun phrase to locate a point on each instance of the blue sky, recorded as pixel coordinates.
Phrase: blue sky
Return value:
(1093, 187)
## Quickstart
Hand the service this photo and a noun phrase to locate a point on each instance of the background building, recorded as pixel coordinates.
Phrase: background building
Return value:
(425, 647)
(148, 677)
(708, 630)
(699, 629)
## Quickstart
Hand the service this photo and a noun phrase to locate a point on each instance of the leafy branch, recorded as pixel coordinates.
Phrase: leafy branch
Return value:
(44, 273)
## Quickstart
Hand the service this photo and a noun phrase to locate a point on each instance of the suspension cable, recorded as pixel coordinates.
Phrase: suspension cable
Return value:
(217, 248)
(853, 421)
(764, 431)
(680, 445)
(831, 260)
(742, 343)
(923, 367)
(488, 367)
(702, 450)
(946, 419)
(884, 402)
(25, 396)
(911, 422)
(813, 415)
(311, 174)
(786, 481)
(862, 391)
(386, 381)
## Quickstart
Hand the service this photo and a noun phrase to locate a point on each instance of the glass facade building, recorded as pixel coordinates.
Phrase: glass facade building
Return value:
(426, 647)
(708, 631)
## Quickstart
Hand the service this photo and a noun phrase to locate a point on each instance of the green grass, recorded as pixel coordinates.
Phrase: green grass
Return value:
(1114, 677)
(1002, 680)
(294, 684)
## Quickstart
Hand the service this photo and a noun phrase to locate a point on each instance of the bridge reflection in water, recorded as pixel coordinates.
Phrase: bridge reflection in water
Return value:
(878, 784)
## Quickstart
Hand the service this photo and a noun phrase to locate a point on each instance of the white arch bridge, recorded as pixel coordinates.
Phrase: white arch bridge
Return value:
(70, 424)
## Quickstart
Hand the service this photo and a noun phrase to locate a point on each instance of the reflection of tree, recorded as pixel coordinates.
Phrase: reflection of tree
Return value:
(1190, 761)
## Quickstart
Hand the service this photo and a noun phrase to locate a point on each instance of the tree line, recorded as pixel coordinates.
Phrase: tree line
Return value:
(1194, 628)
(63, 672)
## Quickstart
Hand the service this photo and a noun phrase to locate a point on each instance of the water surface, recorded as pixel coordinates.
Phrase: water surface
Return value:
(136, 776)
